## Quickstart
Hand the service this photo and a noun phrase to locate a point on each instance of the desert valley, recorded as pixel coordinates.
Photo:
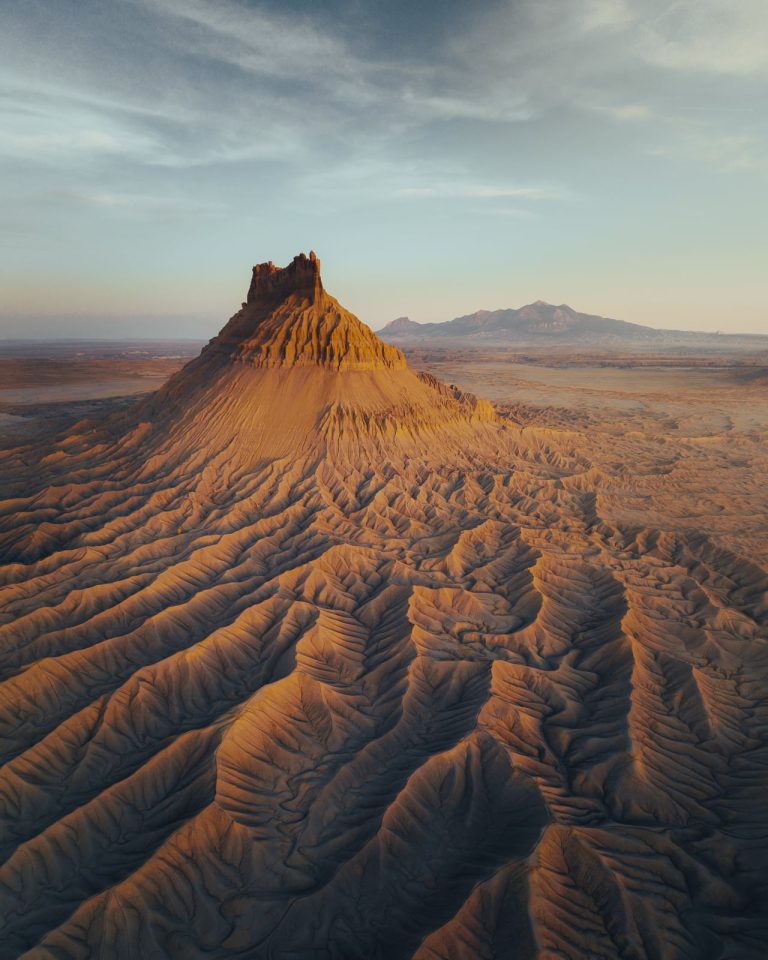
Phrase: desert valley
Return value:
(315, 648)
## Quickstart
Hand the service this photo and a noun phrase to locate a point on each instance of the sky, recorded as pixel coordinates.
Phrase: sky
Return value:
(440, 158)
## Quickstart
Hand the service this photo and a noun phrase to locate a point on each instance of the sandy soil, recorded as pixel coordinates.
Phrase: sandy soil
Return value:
(54, 379)
(306, 655)
(689, 440)
(707, 416)
(42, 384)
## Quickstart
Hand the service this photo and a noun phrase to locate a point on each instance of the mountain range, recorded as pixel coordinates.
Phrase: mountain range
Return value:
(543, 323)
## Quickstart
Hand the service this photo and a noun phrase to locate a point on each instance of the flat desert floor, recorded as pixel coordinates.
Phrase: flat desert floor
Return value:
(678, 441)
(44, 384)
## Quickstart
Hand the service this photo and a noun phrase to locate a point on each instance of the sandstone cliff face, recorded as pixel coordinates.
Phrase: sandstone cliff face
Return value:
(289, 320)
(318, 658)
(293, 373)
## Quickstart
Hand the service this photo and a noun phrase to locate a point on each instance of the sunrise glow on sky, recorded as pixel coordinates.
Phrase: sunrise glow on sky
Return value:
(440, 157)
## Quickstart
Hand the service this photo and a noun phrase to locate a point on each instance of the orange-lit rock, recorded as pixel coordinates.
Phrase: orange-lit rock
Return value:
(311, 656)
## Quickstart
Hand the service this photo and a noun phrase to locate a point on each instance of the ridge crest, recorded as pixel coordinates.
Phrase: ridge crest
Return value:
(288, 319)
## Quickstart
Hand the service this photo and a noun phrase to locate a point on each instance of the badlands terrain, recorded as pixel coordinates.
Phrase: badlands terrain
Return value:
(319, 651)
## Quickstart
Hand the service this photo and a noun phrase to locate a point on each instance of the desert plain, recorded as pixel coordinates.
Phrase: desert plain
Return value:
(701, 416)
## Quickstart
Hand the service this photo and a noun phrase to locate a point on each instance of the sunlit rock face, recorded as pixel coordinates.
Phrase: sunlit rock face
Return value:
(308, 656)
(289, 320)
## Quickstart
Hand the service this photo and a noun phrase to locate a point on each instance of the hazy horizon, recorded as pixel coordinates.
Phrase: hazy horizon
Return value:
(441, 159)
(202, 328)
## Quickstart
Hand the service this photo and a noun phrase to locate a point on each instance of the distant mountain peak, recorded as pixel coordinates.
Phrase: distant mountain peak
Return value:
(401, 325)
(536, 322)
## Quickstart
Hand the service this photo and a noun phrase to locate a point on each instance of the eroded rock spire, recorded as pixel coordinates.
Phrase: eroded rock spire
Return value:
(288, 319)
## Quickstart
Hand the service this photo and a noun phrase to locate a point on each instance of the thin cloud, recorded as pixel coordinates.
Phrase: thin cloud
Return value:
(631, 60)
(457, 107)
(483, 191)
(737, 153)
(709, 36)
(225, 82)
(630, 111)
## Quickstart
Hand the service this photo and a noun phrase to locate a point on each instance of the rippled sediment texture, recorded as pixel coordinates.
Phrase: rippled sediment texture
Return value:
(307, 656)
(370, 702)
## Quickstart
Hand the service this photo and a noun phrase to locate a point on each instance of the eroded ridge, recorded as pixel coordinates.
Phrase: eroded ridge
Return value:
(288, 319)
(358, 685)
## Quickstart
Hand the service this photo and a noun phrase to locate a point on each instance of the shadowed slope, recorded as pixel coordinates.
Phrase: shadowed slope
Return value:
(309, 656)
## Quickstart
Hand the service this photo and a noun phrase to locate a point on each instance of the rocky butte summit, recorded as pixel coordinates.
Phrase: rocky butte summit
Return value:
(308, 655)
(294, 373)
